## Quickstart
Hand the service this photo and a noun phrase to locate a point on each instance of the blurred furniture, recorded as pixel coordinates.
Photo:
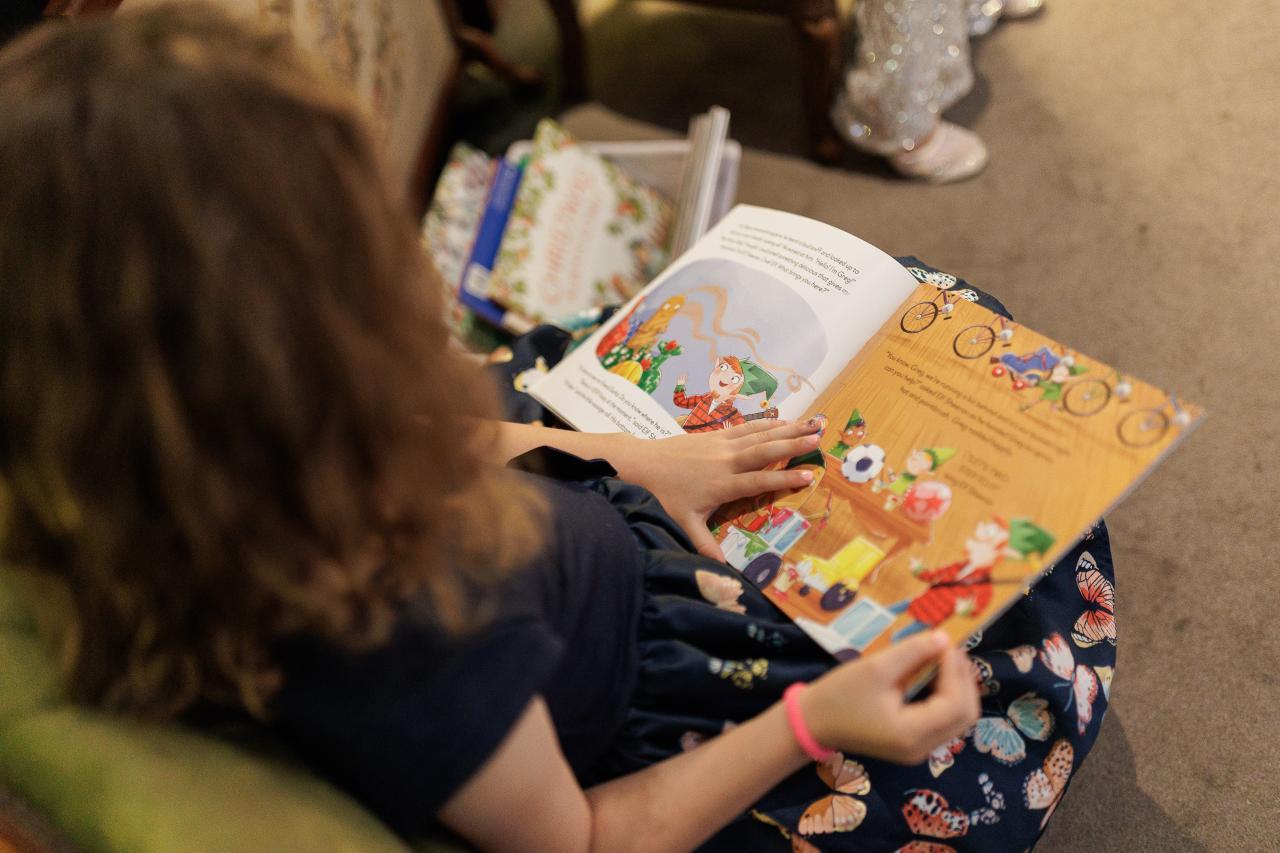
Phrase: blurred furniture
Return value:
(573, 62)
(74, 778)
(816, 24)
(71, 8)
(22, 830)
(476, 45)
(17, 15)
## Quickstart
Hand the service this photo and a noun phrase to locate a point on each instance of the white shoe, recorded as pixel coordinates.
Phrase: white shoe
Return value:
(983, 16)
(1021, 8)
(951, 153)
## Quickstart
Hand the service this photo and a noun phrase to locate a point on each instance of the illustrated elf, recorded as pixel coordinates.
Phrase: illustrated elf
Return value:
(919, 463)
(854, 431)
(730, 378)
(964, 588)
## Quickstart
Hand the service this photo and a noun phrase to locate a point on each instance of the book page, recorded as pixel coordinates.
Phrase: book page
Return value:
(962, 455)
(752, 322)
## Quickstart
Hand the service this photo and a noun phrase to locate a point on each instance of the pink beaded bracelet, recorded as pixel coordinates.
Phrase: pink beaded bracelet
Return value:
(799, 730)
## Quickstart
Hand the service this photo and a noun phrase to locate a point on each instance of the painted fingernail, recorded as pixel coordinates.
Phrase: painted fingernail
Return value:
(815, 423)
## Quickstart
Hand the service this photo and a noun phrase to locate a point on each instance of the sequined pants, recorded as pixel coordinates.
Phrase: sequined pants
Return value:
(912, 64)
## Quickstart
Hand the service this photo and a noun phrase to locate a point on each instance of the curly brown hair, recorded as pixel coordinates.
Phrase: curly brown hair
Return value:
(229, 411)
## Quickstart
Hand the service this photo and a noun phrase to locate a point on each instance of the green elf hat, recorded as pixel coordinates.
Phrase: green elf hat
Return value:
(757, 380)
(1028, 538)
(855, 420)
(939, 455)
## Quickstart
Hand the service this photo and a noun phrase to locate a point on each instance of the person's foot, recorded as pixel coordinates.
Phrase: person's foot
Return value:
(1021, 8)
(950, 153)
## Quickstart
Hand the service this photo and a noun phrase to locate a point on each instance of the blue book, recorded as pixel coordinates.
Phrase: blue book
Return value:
(474, 289)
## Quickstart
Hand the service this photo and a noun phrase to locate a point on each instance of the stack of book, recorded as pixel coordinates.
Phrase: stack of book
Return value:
(557, 229)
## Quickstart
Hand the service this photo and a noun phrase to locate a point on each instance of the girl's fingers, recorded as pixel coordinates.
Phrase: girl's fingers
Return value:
(702, 540)
(778, 429)
(903, 659)
(951, 708)
(752, 428)
(766, 453)
(758, 482)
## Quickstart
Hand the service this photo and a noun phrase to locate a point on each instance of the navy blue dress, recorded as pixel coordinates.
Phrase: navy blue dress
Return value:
(644, 649)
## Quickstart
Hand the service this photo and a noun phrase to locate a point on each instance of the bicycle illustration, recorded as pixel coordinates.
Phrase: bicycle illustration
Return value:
(920, 316)
(977, 340)
(1145, 427)
(1058, 379)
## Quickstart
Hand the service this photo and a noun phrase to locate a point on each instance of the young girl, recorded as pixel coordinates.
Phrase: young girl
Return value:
(232, 428)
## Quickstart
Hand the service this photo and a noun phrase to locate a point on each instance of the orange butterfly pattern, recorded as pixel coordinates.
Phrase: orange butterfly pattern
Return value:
(1043, 788)
(720, 590)
(838, 811)
(928, 813)
(944, 756)
(1098, 622)
(1023, 657)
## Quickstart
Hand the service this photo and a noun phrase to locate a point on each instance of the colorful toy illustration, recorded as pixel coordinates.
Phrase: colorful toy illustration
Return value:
(633, 349)
(964, 587)
(650, 330)
(1059, 379)
(731, 378)
(818, 582)
(608, 349)
(756, 542)
(862, 463)
(775, 529)
(837, 578)
(926, 501)
(824, 579)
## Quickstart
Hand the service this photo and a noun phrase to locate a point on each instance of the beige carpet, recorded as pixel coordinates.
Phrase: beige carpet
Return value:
(1130, 208)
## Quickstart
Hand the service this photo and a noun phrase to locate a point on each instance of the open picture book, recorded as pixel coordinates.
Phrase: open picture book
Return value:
(962, 453)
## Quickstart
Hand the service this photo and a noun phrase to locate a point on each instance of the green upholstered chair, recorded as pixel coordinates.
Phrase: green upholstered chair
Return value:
(105, 783)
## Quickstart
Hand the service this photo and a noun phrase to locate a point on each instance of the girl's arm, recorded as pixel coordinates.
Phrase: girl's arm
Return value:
(691, 475)
(526, 798)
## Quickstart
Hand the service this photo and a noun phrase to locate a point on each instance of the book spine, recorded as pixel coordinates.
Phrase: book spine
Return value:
(708, 164)
(474, 291)
(700, 178)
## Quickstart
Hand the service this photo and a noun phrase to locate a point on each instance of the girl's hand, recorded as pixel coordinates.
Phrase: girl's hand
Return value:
(860, 706)
(692, 475)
